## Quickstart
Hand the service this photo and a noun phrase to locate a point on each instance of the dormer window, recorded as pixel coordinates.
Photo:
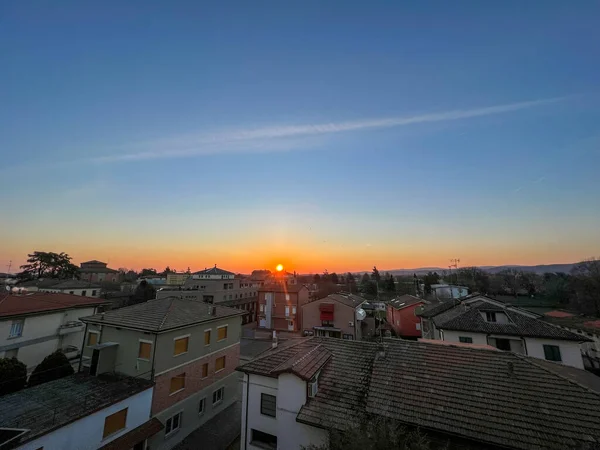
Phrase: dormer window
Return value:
(490, 316)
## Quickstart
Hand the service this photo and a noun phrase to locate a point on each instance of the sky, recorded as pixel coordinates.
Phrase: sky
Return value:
(330, 135)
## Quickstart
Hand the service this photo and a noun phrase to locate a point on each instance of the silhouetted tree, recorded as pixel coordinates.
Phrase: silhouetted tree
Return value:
(334, 278)
(143, 292)
(429, 279)
(586, 283)
(317, 278)
(389, 284)
(375, 276)
(13, 375)
(148, 273)
(49, 265)
(54, 366)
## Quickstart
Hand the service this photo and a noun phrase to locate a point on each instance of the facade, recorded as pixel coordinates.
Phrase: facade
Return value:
(402, 316)
(34, 325)
(471, 398)
(177, 279)
(333, 316)
(74, 287)
(445, 291)
(79, 412)
(280, 306)
(481, 320)
(97, 272)
(189, 349)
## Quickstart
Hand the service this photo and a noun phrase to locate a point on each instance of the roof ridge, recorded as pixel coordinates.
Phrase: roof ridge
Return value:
(169, 309)
(531, 360)
(302, 358)
(278, 350)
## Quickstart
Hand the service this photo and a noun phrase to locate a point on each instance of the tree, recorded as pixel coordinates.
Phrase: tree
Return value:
(558, 287)
(429, 279)
(586, 283)
(351, 282)
(475, 279)
(510, 280)
(143, 292)
(375, 276)
(333, 277)
(148, 273)
(317, 278)
(167, 271)
(13, 374)
(369, 288)
(48, 265)
(389, 284)
(54, 366)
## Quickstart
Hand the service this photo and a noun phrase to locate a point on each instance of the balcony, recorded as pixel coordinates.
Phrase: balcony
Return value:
(70, 327)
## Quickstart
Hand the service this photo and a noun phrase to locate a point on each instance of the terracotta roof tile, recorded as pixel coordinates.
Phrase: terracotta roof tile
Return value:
(41, 302)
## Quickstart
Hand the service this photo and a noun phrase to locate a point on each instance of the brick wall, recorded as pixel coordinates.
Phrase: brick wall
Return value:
(193, 378)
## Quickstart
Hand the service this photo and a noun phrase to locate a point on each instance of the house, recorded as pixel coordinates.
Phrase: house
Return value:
(73, 287)
(34, 325)
(189, 349)
(334, 316)
(478, 319)
(279, 306)
(217, 286)
(402, 317)
(97, 272)
(177, 279)
(583, 326)
(79, 412)
(474, 398)
(445, 291)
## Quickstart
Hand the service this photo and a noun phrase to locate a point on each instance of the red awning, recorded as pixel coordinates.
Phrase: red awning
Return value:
(326, 315)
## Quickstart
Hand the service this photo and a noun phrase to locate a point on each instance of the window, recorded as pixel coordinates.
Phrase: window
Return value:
(287, 311)
(93, 293)
(16, 329)
(552, 352)
(490, 316)
(206, 337)
(92, 338)
(225, 285)
(262, 439)
(222, 333)
(71, 292)
(144, 350)
(218, 395)
(262, 308)
(220, 364)
(204, 370)
(181, 345)
(83, 293)
(268, 405)
(173, 424)
(230, 285)
(418, 326)
(465, 340)
(503, 344)
(287, 297)
(177, 383)
(202, 406)
(293, 310)
(115, 422)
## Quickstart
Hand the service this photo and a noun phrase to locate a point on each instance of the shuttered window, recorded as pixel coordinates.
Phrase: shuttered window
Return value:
(177, 383)
(181, 346)
(144, 350)
(204, 370)
(115, 422)
(92, 338)
(207, 337)
(220, 364)
(221, 333)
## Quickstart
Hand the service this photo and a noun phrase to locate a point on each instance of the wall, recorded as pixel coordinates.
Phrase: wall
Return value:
(404, 321)
(570, 351)
(342, 316)
(86, 433)
(190, 419)
(453, 336)
(93, 292)
(40, 335)
(280, 301)
(255, 420)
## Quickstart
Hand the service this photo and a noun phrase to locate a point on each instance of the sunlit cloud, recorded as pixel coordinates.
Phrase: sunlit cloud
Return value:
(284, 138)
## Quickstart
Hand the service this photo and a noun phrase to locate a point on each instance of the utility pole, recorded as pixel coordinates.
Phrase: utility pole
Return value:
(9, 266)
(454, 264)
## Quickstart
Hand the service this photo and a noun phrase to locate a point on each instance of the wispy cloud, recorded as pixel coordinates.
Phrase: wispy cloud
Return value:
(274, 138)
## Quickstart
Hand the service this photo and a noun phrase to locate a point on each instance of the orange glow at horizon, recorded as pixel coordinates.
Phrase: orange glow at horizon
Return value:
(279, 267)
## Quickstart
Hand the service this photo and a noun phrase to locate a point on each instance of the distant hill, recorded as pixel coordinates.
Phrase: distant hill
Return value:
(540, 269)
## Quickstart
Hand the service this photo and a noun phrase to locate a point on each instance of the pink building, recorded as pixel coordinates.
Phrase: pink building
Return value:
(97, 272)
(401, 315)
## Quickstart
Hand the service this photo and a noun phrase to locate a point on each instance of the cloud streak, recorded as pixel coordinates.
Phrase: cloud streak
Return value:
(274, 138)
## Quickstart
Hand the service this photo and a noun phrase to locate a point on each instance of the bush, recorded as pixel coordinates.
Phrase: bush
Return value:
(54, 366)
(13, 375)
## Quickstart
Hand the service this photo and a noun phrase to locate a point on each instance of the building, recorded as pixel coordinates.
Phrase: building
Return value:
(583, 326)
(79, 412)
(481, 320)
(73, 287)
(177, 279)
(445, 291)
(279, 306)
(333, 316)
(218, 286)
(34, 325)
(402, 317)
(189, 349)
(97, 272)
(474, 398)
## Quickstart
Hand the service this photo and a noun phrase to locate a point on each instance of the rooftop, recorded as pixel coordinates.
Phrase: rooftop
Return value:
(213, 271)
(281, 287)
(52, 405)
(573, 321)
(488, 396)
(40, 302)
(74, 284)
(346, 299)
(405, 301)
(163, 314)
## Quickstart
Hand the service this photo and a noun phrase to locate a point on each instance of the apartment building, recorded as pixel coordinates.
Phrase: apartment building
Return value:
(334, 316)
(177, 279)
(34, 325)
(189, 349)
(218, 286)
(98, 272)
(73, 287)
(402, 316)
(280, 306)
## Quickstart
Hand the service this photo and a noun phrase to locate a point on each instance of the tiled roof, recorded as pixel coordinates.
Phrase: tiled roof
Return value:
(574, 321)
(282, 287)
(470, 319)
(74, 284)
(495, 398)
(93, 261)
(41, 302)
(46, 407)
(163, 314)
(434, 310)
(306, 365)
(213, 271)
(404, 301)
(128, 440)
(350, 300)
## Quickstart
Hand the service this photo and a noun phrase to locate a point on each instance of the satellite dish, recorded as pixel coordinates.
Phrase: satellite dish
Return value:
(7, 287)
(360, 314)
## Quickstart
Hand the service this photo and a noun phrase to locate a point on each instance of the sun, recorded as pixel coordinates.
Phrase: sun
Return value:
(279, 267)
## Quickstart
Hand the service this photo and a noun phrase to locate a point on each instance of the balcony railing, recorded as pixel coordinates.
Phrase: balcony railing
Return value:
(70, 327)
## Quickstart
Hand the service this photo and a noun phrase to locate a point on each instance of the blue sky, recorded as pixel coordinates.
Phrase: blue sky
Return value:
(328, 135)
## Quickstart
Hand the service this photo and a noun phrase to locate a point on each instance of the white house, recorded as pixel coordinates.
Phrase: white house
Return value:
(478, 319)
(312, 392)
(73, 287)
(443, 291)
(79, 412)
(33, 325)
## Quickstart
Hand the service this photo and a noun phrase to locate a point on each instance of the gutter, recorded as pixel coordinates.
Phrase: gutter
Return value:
(246, 421)
(154, 358)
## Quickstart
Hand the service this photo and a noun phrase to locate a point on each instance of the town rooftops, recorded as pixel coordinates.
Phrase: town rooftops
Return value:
(74, 284)
(487, 396)
(346, 299)
(213, 271)
(282, 287)
(46, 407)
(163, 314)
(404, 301)
(575, 321)
(42, 302)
